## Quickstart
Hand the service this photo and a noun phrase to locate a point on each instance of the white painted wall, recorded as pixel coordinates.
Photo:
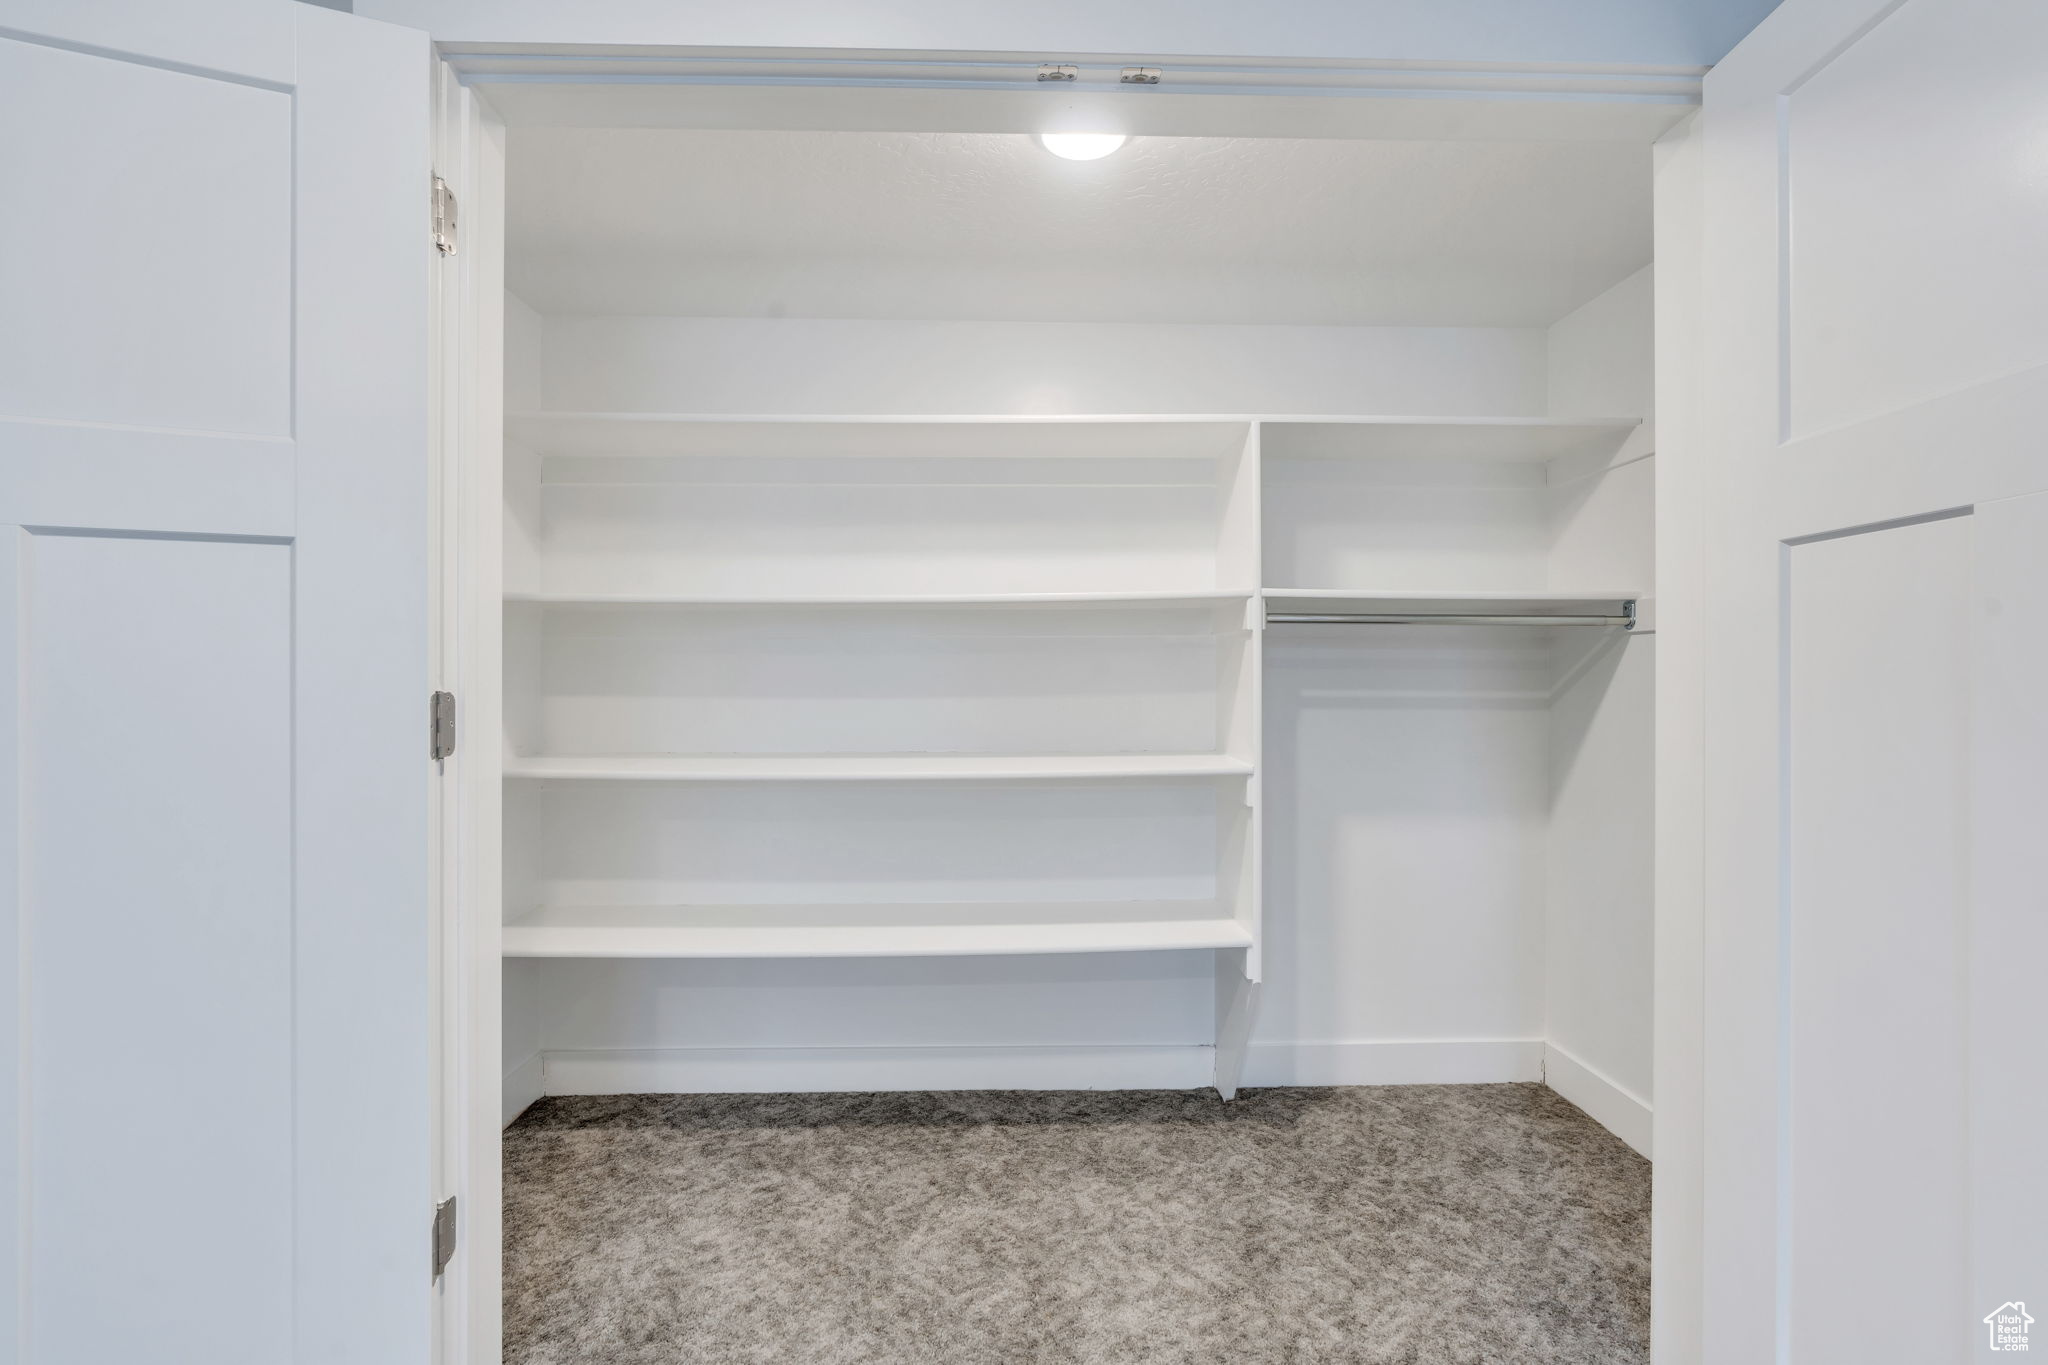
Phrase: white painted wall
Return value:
(968, 226)
(1598, 357)
(1406, 781)
(523, 357)
(738, 365)
(522, 1036)
(1103, 1021)
(1428, 524)
(1653, 32)
(1600, 531)
(1600, 888)
(1598, 892)
(1599, 878)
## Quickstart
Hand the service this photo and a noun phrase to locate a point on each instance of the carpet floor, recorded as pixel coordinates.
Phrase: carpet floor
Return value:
(1424, 1225)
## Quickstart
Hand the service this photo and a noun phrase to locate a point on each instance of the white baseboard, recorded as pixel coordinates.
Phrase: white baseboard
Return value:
(1457, 1061)
(1606, 1103)
(701, 1071)
(522, 1087)
(712, 1071)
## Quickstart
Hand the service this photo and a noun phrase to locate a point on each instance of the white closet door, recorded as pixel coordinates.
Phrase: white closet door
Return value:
(1876, 682)
(213, 527)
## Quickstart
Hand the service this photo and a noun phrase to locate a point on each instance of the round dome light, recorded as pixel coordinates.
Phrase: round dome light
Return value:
(1081, 146)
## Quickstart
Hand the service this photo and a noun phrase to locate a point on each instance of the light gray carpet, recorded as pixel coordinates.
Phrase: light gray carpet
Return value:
(1427, 1225)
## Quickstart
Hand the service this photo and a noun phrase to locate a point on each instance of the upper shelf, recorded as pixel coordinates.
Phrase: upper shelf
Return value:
(1291, 435)
(1561, 603)
(870, 767)
(1580, 607)
(1445, 438)
(626, 433)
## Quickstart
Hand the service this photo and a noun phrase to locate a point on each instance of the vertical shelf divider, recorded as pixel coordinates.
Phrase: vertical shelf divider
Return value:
(1239, 564)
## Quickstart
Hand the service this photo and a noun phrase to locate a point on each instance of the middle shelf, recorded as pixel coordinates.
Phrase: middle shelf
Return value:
(893, 868)
(665, 691)
(871, 767)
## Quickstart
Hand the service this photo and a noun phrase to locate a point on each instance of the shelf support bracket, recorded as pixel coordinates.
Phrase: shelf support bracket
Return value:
(1237, 998)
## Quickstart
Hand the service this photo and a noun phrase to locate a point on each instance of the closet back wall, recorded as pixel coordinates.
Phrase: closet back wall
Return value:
(834, 365)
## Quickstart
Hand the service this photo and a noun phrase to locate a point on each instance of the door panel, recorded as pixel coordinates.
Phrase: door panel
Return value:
(238, 40)
(1875, 934)
(214, 1041)
(88, 474)
(1927, 129)
(156, 942)
(153, 305)
(2008, 929)
(1873, 406)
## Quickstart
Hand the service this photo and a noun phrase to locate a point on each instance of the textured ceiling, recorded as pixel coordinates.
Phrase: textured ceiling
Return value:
(990, 226)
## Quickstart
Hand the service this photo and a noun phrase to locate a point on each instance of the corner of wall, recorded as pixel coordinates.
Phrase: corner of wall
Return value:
(523, 1084)
(524, 336)
(1604, 1100)
(1599, 357)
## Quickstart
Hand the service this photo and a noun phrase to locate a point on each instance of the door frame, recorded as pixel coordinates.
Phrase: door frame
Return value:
(467, 388)
(1678, 1068)
(481, 90)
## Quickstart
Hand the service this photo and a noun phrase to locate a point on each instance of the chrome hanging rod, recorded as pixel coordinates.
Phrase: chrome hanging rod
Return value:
(1627, 620)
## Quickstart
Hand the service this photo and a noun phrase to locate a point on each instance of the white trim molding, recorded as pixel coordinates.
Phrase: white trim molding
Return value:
(636, 1071)
(518, 63)
(1606, 1101)
(1401, 1061)
(553, 85)
(523, 1085)
(774, 1070)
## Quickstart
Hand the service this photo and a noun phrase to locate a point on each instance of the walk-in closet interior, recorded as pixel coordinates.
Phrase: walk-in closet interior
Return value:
(979, 619)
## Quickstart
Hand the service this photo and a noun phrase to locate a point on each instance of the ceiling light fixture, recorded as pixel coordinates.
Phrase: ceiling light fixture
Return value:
(1081, 146)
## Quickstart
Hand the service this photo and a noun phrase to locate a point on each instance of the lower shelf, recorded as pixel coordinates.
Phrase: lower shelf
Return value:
(872, 930)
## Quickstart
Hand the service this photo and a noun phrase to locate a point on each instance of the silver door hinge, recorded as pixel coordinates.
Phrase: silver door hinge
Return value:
(441, 726)
(1139, 75)
(1058, 71)
(444, 217)
(444, 1234)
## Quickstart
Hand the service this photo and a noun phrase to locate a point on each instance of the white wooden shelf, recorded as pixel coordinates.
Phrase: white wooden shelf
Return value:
(872, 930)
(653, 433)
(1460, 603)
(1294, 434)
(871, 767)
(1448, 438)
(1161, 598)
